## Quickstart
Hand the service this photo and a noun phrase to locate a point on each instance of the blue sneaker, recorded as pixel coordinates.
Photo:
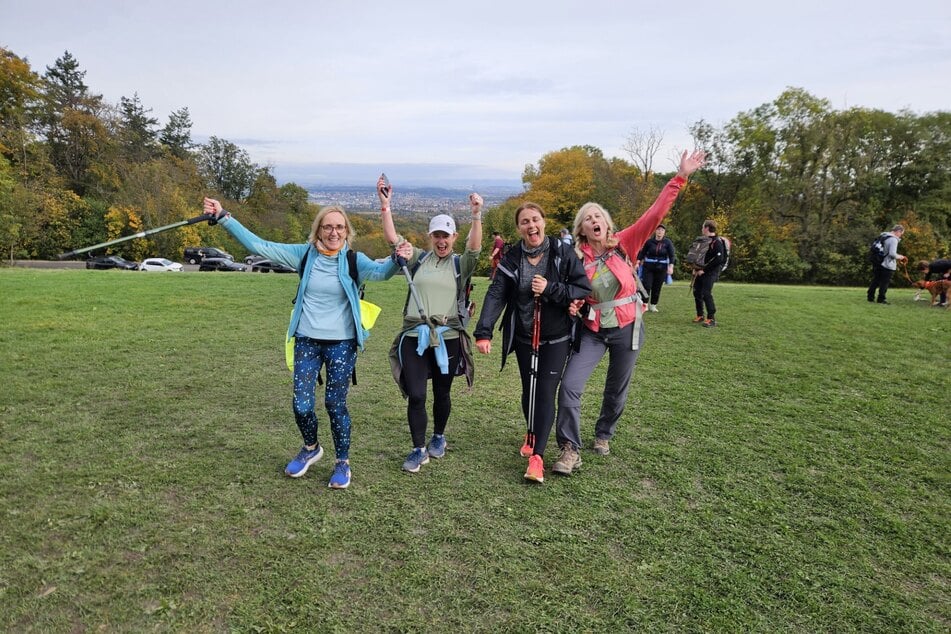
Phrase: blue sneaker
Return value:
(416, 458)
(302, 461)
(340, 479)
(437, 446)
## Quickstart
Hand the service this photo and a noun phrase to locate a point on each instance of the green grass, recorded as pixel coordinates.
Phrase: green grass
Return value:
(787, 471)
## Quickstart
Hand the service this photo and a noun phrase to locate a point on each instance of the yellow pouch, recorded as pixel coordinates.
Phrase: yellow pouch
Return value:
(368, 313)
(289, 352)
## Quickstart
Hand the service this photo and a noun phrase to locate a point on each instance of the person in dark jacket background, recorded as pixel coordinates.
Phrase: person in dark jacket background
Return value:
(657, 256)
(547, 269)
(706, 276)
(941, 269)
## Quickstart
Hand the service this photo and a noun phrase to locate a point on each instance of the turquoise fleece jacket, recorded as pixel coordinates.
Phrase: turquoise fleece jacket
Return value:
(293, 254)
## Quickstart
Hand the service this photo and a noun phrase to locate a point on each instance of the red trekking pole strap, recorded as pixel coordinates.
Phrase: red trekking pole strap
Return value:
(537, 324)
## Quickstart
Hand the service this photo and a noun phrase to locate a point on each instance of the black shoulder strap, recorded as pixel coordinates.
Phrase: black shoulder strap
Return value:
(352, 266)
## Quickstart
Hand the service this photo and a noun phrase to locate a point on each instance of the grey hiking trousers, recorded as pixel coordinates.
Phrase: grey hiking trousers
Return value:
(621, 361)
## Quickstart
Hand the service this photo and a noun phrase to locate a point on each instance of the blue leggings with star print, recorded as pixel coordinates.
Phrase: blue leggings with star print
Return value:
(339, 357)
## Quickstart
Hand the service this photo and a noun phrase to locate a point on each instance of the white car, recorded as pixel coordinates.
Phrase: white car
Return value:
(160, 264)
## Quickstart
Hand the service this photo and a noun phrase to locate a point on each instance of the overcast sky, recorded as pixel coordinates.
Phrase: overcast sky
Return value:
(480, 88)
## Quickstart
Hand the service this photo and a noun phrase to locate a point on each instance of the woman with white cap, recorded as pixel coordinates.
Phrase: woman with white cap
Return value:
(433, 342)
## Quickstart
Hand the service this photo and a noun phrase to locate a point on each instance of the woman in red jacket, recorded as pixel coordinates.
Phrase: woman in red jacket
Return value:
(612, 319)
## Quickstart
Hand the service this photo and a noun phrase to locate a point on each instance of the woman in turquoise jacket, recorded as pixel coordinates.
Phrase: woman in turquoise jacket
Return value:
(326, 324)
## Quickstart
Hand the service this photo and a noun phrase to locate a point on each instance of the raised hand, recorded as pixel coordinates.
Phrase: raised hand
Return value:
(383, 191)
(476, 201)
(212, 207)
(693, 162)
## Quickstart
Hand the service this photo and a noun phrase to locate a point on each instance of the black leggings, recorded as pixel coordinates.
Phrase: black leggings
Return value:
(703, 294)
(654, 281)
(417, 370)
(551, 367)
(881, 278)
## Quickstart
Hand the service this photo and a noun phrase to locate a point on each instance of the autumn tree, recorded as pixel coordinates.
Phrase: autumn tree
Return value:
(70, 119)
(227, 168)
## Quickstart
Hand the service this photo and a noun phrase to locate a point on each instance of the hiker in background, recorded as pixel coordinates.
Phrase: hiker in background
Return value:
(543, 272)
(497, 246)
(657, 256)
(433, 345)
(611, 315)
(941, 269)
(705, 275)
(325, 323)
(882, 271)
(565, 236)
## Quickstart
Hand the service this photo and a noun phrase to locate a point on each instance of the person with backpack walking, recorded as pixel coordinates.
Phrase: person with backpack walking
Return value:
(611, 316)
(535, 284)
(326, 324)
(706, 271)
(657, 256)
(885, 264)
(433, 343)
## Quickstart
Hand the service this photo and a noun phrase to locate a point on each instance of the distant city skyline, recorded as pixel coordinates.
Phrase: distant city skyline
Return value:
(439, 92)
(401, 174)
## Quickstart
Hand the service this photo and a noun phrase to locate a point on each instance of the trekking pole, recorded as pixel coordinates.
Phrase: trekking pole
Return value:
(401, 261)
(142, 234)
(533, 372)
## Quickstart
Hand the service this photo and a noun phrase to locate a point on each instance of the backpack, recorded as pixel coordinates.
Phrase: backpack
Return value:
(697, 255)
(878, 249)
(464, 304)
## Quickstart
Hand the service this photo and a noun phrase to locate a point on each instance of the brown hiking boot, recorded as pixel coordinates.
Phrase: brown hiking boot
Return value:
(568, 461)
(601, 447)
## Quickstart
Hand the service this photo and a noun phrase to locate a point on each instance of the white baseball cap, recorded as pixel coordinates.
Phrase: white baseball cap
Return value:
(442, 222)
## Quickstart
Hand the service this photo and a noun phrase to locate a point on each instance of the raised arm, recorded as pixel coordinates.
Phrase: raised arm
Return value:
(474, 243)
(384, 192)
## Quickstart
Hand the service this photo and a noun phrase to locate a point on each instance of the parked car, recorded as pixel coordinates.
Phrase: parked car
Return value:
(111, 262)
(194, 255)
(160, 264)
(251, 259)
(267, 266)
(220, 264)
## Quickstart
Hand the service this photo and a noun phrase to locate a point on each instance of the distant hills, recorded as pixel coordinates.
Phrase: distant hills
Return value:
(448, 177)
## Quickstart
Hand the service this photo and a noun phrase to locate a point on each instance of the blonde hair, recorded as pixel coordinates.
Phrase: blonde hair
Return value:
(579, 218)
(315, 227)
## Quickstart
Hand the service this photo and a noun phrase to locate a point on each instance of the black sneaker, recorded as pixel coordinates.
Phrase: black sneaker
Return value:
(710, 323)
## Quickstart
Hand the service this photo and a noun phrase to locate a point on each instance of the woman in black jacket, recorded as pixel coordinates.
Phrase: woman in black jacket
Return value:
(543, 270)
(657, 256)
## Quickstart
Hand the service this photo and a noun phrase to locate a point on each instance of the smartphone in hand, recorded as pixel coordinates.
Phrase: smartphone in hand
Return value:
(385, 189)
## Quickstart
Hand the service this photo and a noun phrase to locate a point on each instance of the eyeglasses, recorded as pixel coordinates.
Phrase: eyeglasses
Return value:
(331, 228)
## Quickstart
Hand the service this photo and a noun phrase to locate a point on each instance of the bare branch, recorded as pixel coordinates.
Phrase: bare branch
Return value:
(642, 146)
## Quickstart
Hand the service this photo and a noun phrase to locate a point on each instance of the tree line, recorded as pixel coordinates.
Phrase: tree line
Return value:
(800, 187)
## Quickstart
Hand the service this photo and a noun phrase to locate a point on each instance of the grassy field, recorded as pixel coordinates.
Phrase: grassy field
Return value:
(787, 471)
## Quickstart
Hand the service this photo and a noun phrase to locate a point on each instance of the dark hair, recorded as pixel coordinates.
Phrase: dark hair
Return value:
(710, 225)
(496, 233)
(528, 205)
